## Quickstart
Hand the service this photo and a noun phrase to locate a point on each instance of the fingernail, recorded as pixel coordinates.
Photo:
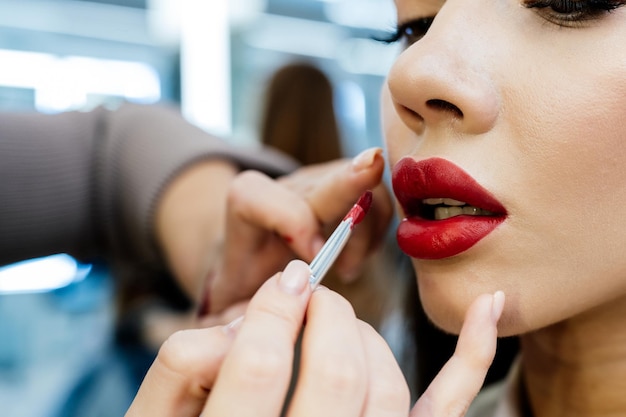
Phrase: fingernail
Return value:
(295, 278)
(232, 328)
(497, 306)
(365, 159)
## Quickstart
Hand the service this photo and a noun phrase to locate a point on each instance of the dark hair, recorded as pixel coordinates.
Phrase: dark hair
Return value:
(299, 116)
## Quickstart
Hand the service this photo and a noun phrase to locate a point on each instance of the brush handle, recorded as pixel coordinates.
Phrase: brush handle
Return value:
(329, 252)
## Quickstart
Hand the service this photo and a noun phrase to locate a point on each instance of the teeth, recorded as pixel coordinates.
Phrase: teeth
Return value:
(447, 212)
(445, 208)
(442, 213)
(445, 201)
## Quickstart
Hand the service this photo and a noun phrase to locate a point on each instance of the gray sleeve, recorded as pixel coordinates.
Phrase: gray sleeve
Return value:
(87, 183)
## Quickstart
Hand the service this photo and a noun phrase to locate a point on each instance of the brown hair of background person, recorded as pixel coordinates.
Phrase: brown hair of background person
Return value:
(299, 116)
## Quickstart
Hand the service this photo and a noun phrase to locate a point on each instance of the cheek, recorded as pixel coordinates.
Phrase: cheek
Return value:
(560, 155)
(399, 140)
(570, 147)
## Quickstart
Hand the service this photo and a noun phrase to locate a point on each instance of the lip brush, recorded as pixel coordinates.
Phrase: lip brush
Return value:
(338, 239)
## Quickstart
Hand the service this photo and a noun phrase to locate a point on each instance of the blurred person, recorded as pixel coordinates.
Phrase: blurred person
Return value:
(298, 114)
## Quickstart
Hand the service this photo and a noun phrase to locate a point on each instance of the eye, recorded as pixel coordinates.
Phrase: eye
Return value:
(409, 32)
(569, 12)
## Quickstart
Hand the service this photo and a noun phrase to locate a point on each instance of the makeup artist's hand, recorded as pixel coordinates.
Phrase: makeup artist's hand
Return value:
(244, 369)
(346, 369)
(270, 222)
(190, 221)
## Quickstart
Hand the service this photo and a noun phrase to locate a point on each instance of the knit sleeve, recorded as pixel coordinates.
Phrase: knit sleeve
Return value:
(87, 183)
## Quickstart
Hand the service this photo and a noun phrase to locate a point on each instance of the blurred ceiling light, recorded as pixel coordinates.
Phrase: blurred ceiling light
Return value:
(366, 56)
(163, 18)
(368, 14)
(77, 18)
(205, 64)
(243, 12)
(295, 36)
(67, 82)
(41, 274)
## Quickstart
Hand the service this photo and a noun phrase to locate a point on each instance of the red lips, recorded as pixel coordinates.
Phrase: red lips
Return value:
(419, 234)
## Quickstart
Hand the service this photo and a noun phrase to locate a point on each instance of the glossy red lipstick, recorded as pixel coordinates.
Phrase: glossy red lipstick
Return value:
(420, 235)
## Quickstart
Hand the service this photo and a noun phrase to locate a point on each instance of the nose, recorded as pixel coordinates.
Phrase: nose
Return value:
(444, 78)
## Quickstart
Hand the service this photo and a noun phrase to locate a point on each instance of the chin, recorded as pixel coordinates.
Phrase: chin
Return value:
(446, 294)
(448, 314)
(444, 312)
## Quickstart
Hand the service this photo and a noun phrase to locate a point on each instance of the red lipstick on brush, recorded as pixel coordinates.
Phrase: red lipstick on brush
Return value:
(338, 239)
(447, 211)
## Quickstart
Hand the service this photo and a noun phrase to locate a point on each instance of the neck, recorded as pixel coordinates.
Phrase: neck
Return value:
(578, 367)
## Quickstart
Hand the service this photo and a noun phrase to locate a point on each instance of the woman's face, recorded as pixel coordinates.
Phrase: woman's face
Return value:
(516, 107)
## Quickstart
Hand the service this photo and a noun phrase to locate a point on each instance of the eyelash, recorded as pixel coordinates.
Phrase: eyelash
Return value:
(409, 32)
(570, 12)
(562, 12)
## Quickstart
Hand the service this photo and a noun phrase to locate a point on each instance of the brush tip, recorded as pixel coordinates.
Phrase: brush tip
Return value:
(360, 209)
(365, 201)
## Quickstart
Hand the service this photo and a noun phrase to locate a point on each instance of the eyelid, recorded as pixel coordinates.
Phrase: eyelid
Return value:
(570, 13)
(402, 29)
(590, 4)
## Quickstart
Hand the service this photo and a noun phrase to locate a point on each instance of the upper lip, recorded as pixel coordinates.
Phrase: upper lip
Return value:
(414, 181)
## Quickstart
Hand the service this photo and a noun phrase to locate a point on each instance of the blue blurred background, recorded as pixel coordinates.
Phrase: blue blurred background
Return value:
(211, 57)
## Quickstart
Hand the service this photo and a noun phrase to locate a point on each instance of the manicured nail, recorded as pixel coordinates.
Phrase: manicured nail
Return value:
(294, 279)
(365, 159)
(232, 328)
(497, 306)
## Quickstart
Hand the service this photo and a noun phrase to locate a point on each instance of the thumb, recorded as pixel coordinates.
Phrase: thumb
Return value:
(336, 193)
(341, 186)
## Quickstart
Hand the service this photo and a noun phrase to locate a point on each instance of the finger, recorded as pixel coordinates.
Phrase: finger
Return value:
(388, 392)
(368, 236)
(263, 219)
(459, 381)
(332, 189)
(332, 379)
(264, 203)
(226, 316)
(255, 375)
(178, 382)
(341, 183)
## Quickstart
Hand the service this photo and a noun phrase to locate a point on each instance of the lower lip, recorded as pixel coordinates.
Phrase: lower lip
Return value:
(438, 239)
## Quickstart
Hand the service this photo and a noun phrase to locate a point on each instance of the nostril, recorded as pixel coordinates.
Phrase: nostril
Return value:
(413, 113)
(444, 106)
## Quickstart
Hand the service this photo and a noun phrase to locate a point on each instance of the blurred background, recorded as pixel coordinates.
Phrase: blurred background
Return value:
(213, 58)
